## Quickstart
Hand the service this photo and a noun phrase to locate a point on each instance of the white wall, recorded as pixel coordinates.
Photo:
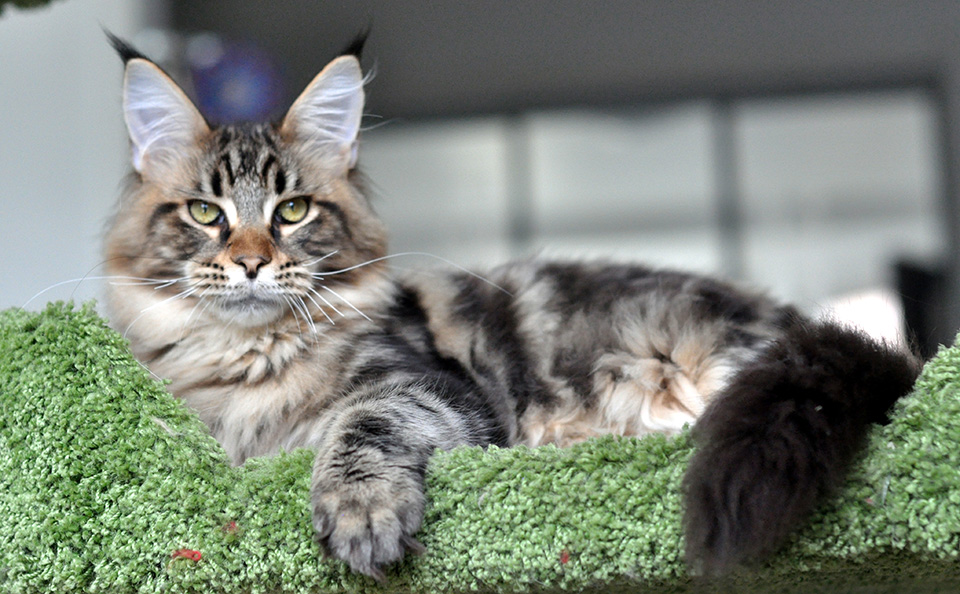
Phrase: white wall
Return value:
(62, 143)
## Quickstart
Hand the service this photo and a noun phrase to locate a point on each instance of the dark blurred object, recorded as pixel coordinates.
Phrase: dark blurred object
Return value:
(23, 3)
(233, 82)
(921, 287)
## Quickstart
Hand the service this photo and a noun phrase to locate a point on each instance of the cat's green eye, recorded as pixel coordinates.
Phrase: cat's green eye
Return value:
(293, 210)
(203, 212)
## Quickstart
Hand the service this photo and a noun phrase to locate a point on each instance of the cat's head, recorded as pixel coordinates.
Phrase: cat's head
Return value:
(257, 221)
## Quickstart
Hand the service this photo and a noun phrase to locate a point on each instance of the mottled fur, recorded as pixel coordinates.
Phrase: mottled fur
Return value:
(285, 332)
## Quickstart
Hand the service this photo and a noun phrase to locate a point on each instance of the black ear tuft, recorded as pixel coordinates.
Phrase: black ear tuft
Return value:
(127, 52)
(355, 47)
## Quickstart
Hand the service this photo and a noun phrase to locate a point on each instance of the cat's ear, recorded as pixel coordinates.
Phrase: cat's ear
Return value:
(325, 118)
(163, 123)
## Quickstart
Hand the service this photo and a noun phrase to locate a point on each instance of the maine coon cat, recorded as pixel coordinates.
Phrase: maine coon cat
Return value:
(265, 300)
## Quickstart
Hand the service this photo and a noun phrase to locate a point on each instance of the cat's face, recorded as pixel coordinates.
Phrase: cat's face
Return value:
(254, 221)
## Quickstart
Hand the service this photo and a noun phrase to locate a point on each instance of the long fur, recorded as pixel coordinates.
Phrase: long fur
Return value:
(288, 333)
(781, 436)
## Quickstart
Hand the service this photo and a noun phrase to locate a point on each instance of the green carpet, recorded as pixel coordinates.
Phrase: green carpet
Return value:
(107, 484)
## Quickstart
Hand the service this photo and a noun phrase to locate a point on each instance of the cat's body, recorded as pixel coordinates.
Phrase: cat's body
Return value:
(270, 310)
(552, 352)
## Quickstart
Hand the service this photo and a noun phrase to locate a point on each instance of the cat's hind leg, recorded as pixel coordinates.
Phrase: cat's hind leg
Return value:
(636, 392)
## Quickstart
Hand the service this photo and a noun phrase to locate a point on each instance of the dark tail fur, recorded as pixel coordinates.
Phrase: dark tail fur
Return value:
(782, 436)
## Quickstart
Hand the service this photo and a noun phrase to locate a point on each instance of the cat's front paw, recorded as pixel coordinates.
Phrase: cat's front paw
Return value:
(367, 517)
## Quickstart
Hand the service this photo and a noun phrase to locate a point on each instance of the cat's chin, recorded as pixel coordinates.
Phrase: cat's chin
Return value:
(250, 312)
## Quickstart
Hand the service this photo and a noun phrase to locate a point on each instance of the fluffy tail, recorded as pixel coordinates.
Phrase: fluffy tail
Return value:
(782, 436)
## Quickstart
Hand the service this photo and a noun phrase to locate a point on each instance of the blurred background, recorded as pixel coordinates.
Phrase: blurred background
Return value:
(806, 147)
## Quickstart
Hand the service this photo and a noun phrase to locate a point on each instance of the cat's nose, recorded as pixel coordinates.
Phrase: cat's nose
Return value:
(250, 248)
(251, 263)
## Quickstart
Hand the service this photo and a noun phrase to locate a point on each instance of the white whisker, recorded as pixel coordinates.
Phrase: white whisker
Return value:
(200, 300)
(321, 275)
(329, 319)
(134, 321)
(165, 285)
(385, 122)
(320, 259)
(133, 281)
(139, 280)
(181, 295)
(294, 312)
(325, 301)
(350, 305)
(306, 313)
(150, 371)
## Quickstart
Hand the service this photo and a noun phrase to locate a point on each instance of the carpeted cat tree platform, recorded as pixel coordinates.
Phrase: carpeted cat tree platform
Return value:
(107, 484)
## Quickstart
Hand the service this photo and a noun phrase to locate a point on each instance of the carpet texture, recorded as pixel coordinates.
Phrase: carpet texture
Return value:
(108, 484)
